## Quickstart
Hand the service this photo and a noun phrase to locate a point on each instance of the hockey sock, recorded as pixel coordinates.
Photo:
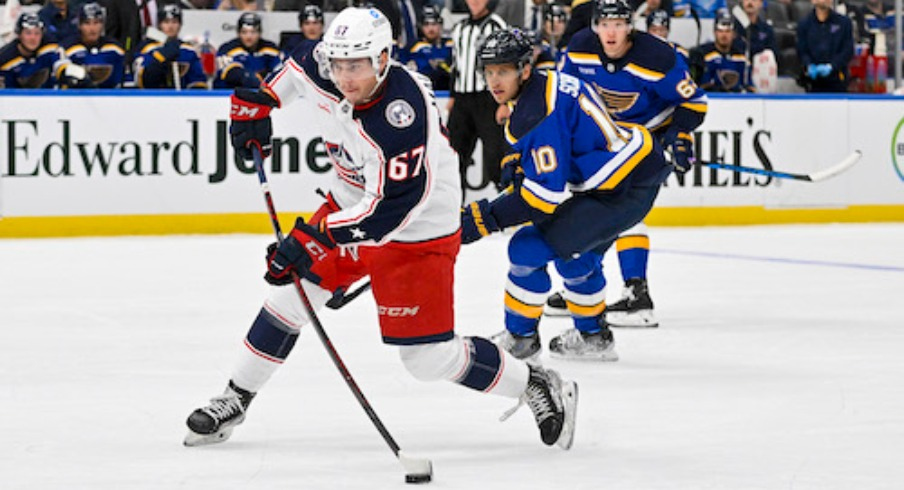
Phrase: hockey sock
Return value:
(633, 255)
(269, 341)
(585, 290)
(492, 370)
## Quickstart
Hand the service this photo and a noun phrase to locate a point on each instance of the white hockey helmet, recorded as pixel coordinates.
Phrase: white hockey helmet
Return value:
(359, 33)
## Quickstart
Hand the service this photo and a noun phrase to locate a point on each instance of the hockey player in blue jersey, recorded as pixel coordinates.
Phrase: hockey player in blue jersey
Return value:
(246, 60)
(725, 64)
(392, 214)
(580, 180)
(431, 55)
(101, 58)
(642, 80)
(310, 21)
(659, 24)
(169, 63)
(28, 61)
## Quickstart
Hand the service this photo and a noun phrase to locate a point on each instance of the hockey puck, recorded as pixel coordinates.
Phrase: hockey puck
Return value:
(418, 478)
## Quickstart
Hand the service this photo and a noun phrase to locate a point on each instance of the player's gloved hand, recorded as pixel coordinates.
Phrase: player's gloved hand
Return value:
(681, 146)
(328, 207)
(512, 173)
(824, 70)
(477, 221)
(304, 247)
(251, 126)
(170, 49)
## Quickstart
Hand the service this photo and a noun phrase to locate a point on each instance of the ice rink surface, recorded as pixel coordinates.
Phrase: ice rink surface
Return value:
(779, 364)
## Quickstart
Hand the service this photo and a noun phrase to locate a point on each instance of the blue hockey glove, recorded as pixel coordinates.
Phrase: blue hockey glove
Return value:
(681, 146)
(251, 126)
(512, 173)
(477, 221)
(824, 70)
(304, 247)
(812, 71)
(170, 49)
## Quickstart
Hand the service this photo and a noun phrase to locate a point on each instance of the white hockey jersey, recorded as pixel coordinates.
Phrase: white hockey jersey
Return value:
(396, 176)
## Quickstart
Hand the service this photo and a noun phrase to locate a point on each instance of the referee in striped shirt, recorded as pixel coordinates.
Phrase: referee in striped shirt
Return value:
(472, 111)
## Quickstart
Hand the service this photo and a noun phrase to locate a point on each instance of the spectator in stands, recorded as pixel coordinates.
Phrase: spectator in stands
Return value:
(168, 62)
(60, 19)
(28, 61)
(472, 110)
(825, 45)
(726, 68)
(99, 60)
(246, 60)
(758, 36)
(432, 55)
(310, 21)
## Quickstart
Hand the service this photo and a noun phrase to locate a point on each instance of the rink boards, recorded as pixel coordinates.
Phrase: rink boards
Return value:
(122, 162)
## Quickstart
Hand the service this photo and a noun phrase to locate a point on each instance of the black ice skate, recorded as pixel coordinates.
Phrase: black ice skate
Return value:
(554, 403)
(555, 305)
(214, 423)
(525, 348)
(635, 309)
(580, 346)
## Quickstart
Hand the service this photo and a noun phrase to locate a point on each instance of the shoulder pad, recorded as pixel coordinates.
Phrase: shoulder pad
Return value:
(651, 53)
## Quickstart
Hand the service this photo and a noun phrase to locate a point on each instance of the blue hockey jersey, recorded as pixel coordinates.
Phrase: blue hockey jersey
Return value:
(104, 61)
(28, 71)
(650, 85)
(153, 70)
(725, 72)
(239, 66)
(432, 60)
(568, 144)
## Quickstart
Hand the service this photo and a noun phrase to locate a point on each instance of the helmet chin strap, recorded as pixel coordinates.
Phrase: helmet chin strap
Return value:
(380, 76)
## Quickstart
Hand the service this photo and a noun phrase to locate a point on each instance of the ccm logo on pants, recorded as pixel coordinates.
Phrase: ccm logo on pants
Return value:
(399, 311)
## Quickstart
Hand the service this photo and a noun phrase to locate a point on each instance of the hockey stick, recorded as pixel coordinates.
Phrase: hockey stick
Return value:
(417, 470)
(337, 302)
(819, 176)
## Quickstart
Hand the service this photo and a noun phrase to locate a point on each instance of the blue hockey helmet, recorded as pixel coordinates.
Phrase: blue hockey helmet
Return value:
(431, 15)
(28, 20)
(169, 11)
(91, 11)
(724, 21)
(555, 11)
(249, 19)
(659, 18)
(506, 46)
(310, 13)
(611, 9)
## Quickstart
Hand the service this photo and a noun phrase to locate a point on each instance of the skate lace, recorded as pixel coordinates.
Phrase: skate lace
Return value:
(224, 406)
(536, 399)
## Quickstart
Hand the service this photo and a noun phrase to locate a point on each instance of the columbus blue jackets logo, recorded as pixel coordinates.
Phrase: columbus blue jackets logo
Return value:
(400, 114)
(345, 166)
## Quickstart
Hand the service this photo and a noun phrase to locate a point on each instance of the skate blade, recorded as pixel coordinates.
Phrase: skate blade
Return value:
(637, 319)
(570, 404)
(193, 439)
(608, 355)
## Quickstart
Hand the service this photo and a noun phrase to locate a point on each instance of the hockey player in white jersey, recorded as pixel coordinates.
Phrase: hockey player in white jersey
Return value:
(392, 214)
